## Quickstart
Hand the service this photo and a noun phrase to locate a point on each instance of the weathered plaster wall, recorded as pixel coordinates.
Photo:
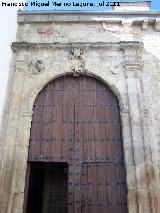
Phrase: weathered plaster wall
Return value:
(121, 50)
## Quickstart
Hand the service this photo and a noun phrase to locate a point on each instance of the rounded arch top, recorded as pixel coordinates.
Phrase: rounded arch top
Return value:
(67, 103)
(36, 89)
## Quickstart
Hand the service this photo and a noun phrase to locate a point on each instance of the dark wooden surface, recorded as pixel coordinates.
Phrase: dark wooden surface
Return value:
(55, 190)
(76, 120)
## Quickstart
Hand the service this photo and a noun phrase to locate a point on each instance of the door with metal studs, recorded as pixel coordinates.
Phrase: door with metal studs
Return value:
(76, 121)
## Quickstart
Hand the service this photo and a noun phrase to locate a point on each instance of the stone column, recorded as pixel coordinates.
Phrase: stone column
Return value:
(132, 64)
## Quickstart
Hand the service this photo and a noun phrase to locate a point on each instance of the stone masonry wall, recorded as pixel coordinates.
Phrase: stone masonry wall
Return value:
(120, 49)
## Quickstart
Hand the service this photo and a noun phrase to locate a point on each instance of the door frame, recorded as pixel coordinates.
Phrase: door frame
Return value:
(128, 138)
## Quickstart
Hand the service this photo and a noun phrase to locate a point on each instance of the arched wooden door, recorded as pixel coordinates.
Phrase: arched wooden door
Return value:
(76, 120)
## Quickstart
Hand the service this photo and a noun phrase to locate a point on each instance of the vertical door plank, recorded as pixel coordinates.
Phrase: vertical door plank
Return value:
(84, 188)
(101, 187)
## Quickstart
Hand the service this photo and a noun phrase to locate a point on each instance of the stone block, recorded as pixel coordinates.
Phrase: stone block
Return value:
(16, 99)
(132, 201)
(3, 200)
(21, 153)
(3, 209)
(141, 176)
(157, 25)
(131, 177)
(19, 183)
(18, 83)
(6, 181)
(125, 119)
(126, 134)
(155, 200)
(143, 201)
(11, 133)
(128, 154)
(18, 199)
(139, 155)
(137, 135)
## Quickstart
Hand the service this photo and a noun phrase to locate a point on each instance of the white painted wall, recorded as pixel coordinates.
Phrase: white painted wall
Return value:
(8, 27)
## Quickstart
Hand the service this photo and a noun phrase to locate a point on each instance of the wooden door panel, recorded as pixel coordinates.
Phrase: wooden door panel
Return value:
(76, 120)
(103, 188)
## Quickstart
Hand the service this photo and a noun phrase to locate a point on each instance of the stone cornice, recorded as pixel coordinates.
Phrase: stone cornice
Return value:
(122, 18)
(76, 12)
(88, 16)
(17, 46)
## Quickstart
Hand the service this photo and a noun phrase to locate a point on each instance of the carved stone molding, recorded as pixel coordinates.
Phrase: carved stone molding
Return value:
(145, 25)
(35, 65)
(79, 69)
(77, 61)
(132, 65)
(48, 29)
(77, 53)
(157, 25)
(18, 46)
(132, 68)
(126, 28)
(114, 17)
(132, 62)
(21, 66)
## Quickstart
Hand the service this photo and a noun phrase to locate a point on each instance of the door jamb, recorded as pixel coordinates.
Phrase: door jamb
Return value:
(26, 187)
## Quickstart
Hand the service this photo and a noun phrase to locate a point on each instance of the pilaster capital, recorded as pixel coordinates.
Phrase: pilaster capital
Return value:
(132, 67)
(132, 58)
(132, 52)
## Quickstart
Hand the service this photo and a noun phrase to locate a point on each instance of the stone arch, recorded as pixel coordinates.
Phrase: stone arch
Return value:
(33, 92)
(25, 122)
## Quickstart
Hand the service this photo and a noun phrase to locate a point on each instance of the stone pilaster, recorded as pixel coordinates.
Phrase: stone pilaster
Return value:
(132, 65)
(145, 163)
